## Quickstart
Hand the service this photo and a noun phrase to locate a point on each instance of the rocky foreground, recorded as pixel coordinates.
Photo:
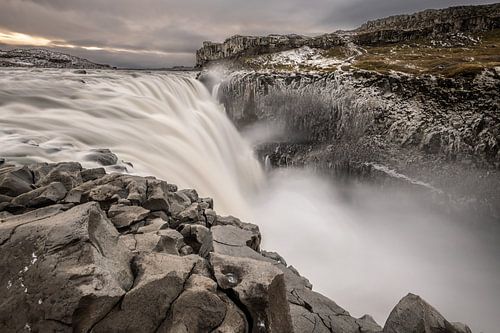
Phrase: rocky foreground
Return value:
(86, 251)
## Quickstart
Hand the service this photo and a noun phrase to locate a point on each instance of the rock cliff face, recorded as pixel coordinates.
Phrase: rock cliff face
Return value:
(442, 133)
(241, 46)
(86, 251)
(395, 29)
(45, 59)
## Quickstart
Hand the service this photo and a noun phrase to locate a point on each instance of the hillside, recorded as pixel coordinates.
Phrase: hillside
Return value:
(450, 42)
(44, 58)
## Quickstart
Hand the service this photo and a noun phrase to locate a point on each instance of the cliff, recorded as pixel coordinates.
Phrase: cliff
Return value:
(86, 251)
(438, 24)
(43, 58)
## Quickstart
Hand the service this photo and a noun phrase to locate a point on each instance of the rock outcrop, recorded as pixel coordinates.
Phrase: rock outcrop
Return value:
(85, 251)
(44, 58)
(394, 29)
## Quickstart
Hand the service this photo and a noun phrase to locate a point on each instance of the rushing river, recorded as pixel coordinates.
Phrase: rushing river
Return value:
(363, 248)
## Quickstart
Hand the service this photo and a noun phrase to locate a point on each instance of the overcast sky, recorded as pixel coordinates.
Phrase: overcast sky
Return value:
(161, 33)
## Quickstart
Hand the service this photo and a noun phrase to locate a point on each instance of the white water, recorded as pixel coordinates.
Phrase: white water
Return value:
(365, 251)
(166, 125)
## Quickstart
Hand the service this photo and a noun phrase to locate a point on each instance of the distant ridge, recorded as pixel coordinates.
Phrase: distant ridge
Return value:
(43, 58)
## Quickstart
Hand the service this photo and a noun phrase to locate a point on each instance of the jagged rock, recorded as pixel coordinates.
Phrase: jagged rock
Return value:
(197, 309)
(124, 216)
(67, 268)
(43, 196)
(191, 215)
(15, 181)
(160, 280)
(259, 286)
(153, 225)
(190, 193)
(103, 157)
(254, 229)
(195, 236)
(83, 265)
(413, 314)
(92, 174)
(274, 256)
(67, 173)
(232, 241)
(368, 325)
(157, 195)
(178, 202)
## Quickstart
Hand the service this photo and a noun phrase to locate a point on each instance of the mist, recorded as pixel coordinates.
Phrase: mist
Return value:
(366, 247)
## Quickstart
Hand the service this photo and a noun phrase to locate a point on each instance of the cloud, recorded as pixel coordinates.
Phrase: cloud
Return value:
(175, 29)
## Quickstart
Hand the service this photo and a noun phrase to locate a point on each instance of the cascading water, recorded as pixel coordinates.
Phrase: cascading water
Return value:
(364, 249)
(165, 125)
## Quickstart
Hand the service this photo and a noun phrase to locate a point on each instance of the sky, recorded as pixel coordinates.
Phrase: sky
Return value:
(165, 33)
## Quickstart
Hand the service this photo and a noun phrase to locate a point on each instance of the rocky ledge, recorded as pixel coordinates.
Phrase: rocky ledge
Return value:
(86, 251)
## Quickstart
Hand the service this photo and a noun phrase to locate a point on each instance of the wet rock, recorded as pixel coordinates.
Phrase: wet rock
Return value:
(157, 195)
(153, 225)
(195, 235)
(413, 314)
(92, 174)
(15, 181)
(259, 286)
(102, 156)
(232, 241)
(368, 325)
(43, 196)
(67, 173)
(178, 202)
(191, 194)
(233, 221)
(64, 270)
(160, 280)
(197, 309)
(124, 216)
(191, 215)
(273, 256)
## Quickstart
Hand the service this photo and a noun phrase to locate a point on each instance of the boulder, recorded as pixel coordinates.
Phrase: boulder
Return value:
(124, 216)
(64, 271)
(157, 195)
(43, 196)
(230, 240)
(92, 174)
(102, 156)
(259, 286)
(413, 314)
(160, 280)
(67, 173)
(15, 181)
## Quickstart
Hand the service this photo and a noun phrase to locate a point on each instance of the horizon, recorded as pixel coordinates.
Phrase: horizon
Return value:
(164, 34)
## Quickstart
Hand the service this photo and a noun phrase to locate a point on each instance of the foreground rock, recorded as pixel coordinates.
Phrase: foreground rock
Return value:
(85, 251)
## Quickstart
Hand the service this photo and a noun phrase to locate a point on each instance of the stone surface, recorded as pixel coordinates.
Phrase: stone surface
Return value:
(61, 269)
(413, 314)
(97, 260)
(124, 216)
(259, 286)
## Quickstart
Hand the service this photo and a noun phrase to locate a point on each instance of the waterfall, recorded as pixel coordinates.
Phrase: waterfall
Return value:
(363, 247)
(164, 124)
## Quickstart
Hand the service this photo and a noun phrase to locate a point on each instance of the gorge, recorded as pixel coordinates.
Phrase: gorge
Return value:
(153, 201)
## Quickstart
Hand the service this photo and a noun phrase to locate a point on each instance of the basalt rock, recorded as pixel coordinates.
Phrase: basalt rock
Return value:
(85, 254)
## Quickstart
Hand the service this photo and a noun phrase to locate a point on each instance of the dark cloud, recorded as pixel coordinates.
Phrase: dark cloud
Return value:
(175, 29)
